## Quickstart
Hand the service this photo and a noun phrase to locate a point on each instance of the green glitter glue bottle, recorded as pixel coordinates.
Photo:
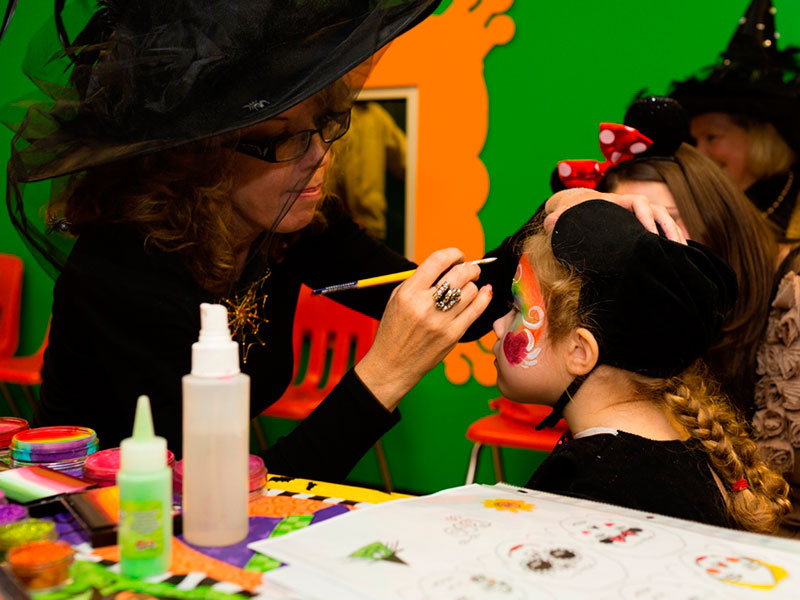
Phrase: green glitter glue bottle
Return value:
(145, 499)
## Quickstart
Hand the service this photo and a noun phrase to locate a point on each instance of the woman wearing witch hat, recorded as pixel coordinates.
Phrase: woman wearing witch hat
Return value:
(183, 156)
(744, 117)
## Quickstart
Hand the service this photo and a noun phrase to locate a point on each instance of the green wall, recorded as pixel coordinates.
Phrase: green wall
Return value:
(571, 65)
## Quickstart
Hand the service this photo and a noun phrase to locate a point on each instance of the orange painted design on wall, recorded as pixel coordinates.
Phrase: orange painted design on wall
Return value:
(443, 59)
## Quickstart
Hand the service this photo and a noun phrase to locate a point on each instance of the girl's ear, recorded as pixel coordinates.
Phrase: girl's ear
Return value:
(582, 352)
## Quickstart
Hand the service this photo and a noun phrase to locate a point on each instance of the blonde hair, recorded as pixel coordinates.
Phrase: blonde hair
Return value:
(768, 153)
(691, 398)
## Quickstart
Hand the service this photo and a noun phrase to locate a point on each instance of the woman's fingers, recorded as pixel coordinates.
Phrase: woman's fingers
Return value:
(432, 267)
(651, 216)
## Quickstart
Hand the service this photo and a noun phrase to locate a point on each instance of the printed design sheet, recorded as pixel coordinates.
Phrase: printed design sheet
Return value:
(504, 542)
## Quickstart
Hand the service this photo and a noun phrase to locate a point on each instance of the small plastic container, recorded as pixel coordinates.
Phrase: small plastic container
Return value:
(101, 467)
(22, 532)
(9, 427)
(11, 513)
(62, 448)
(41, 565)
(257, 478)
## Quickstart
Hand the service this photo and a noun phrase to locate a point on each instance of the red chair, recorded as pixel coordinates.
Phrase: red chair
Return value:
(335, 338)
(514, 426)
(24, 371)
(10, 301)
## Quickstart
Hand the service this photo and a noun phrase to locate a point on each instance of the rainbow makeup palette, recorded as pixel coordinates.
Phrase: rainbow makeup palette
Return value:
(33, 483)
(60, 448)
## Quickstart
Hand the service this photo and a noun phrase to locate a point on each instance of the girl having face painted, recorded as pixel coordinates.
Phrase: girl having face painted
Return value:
(608, 325)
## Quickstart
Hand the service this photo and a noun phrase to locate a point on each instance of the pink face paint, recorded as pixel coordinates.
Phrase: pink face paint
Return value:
(519, 343)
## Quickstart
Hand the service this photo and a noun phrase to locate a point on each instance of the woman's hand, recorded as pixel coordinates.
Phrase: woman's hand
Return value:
(413, 335)
(648, 214)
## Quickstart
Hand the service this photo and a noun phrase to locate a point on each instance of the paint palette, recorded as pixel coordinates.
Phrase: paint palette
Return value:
(63, 448)
(33, 483)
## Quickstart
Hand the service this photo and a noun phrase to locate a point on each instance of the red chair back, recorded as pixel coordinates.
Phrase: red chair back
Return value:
(333, 333)
(11, 268)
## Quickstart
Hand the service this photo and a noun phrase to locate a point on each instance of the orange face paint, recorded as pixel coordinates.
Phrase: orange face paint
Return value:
(519, 344)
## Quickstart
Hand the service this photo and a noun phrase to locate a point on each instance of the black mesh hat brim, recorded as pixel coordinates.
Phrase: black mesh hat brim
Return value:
(151, 75)
(200, 70)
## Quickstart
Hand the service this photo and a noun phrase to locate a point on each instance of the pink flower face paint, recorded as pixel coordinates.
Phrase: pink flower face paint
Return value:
(519, 343)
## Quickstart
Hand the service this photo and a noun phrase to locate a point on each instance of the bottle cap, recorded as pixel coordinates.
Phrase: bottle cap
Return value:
(214, 354)
(144, 451)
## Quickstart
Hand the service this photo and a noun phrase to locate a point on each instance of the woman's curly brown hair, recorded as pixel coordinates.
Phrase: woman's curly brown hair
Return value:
(178, 199)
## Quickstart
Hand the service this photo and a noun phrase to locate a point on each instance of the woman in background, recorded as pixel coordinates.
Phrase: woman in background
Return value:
(744, 118)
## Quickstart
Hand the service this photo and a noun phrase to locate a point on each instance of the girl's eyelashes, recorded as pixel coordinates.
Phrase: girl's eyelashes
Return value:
(512, 306)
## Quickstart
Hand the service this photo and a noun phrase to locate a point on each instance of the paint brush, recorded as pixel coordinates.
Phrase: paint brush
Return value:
(381, 279)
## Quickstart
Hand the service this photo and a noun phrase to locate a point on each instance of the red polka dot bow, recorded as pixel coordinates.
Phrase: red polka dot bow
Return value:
(618, 143)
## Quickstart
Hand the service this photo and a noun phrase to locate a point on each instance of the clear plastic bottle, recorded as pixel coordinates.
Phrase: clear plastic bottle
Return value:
(216, 443)
(145, 499)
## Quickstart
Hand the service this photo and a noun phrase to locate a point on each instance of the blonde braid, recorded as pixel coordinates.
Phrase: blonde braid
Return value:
(711, 420)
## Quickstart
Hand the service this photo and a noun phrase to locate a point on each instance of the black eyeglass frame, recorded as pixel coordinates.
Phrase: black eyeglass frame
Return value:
(267, 151)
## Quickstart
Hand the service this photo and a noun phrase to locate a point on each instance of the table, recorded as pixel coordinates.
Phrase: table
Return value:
(472, 541)
(233, 572)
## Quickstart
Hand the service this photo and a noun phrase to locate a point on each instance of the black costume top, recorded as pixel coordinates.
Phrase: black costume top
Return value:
(765, 193)
(124, 320)
(666, 477)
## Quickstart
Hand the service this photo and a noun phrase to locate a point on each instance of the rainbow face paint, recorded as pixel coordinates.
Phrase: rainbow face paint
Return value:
(61, 448)
(519, 343)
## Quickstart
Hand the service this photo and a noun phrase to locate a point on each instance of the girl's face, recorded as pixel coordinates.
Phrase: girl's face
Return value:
(261, 188)
(658, 193)
(724, 142)
(524, 357)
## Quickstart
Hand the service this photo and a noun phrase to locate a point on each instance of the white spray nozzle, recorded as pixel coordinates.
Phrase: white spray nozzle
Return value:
(214, 354)
(214, 323)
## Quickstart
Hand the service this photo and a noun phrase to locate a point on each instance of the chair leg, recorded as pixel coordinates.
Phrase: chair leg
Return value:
(498, 464)
(9, 400)
(473, 463)
(26, 389)
(260, 439)
(384, 467)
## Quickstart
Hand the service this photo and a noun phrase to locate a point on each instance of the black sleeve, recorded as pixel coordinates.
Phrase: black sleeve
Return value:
(343, 252)
(333, 438)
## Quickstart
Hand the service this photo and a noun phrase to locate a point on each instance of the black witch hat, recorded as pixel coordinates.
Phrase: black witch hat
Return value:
(754, 78)
(147, 75)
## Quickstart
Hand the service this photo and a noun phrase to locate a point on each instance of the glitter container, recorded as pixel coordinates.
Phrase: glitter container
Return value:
(257, 477)
(61, 448)
(22, 532)
(11, 513)
(9, 427)
(101, 467)
(41, 565)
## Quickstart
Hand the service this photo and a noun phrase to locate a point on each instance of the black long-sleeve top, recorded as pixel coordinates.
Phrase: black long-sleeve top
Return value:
(671, 478)
(124, 320)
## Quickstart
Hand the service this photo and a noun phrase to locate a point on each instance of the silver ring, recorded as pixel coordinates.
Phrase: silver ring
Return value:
(441, 291)
(449, 300)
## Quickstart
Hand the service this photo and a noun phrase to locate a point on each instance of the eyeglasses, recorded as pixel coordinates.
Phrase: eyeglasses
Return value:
(291, 147)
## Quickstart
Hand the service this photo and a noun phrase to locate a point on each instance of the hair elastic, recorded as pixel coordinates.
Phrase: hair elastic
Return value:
(740, 485)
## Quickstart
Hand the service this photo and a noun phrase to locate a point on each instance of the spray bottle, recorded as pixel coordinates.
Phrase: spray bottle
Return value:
(145, 499)
(216, 442)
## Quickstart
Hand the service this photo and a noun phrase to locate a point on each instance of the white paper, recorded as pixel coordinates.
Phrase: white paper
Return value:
(504, 542)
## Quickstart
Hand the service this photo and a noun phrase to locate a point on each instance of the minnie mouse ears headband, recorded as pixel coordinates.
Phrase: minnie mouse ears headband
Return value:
(654, 128)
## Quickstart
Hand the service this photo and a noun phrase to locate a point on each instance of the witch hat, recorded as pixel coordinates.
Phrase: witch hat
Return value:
(753, 78)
